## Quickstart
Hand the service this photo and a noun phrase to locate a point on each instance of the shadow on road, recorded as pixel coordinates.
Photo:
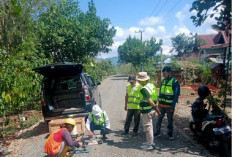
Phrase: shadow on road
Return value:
(40, 129)
(181, 144)
(121, 76)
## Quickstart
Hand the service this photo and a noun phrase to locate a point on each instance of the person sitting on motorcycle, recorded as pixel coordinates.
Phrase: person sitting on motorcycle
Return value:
(199, 112)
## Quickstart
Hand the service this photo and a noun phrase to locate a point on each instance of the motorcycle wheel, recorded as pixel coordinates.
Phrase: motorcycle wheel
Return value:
(209, 137)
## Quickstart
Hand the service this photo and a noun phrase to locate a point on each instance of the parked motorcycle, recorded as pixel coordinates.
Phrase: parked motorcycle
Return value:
(214, 132)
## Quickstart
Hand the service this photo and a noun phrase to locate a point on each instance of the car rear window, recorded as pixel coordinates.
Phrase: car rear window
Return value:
(67, 84)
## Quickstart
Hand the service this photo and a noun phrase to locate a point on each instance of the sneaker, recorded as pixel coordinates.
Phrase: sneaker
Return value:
(171, 137)
(145, 143)
(156, 135)
(146, 147)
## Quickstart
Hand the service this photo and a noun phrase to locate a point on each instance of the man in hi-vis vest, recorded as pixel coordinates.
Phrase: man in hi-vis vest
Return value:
(132, 100)
(168, 97)
(98, 120)
(148, 108)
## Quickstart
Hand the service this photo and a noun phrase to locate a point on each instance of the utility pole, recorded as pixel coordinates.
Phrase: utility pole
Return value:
(141, 34)
(141, 38)
(161, 58)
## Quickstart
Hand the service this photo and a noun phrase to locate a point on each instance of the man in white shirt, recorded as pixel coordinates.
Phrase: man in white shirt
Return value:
(98, 120)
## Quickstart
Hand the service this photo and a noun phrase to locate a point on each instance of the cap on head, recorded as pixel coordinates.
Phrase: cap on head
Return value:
(131, 78)
(167, 69)
(96, 110)
(142, 76)
(70, 121)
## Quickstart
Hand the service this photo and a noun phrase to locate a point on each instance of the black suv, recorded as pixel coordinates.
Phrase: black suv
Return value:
(67, 90)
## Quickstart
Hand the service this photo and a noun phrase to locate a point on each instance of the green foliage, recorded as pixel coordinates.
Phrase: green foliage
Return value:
(174, 63)
(19, 85)
(68, 34)
(184, 44)
(126, 69)
(221, 12)
(100, 70)
(136, 52)
(8, 130)
(29, 123)
(205, 74)
(38, 32)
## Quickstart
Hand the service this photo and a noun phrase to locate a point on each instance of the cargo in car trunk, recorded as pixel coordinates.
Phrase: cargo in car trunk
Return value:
(62, 90)
(66, 96)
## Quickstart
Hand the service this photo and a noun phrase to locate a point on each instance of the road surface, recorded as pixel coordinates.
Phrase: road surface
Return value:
(113, 89)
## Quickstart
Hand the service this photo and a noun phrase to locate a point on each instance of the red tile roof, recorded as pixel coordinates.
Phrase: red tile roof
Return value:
(213, 40)
(209, 39)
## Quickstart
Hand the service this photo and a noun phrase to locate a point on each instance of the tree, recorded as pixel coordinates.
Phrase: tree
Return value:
(221, 12)
(184, 44)
(136, 52)
(68, 34)
(19, 85)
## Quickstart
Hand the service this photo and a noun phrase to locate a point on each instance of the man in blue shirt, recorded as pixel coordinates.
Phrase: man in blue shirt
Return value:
(168, 97)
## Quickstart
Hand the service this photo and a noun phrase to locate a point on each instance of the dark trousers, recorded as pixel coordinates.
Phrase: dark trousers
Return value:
(130, 114)
(164, 110)
(102, 128)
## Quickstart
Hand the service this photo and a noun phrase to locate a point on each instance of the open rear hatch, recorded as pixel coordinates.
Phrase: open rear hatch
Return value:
(63, 91)
(59, 70)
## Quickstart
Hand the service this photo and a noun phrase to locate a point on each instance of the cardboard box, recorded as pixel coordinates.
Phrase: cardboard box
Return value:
(53, 125)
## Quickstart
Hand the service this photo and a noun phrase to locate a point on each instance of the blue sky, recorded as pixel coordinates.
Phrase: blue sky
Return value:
(161, 19)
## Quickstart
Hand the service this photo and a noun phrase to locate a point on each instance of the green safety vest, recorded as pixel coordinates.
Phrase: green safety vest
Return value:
(144, 105)
(97, 122)
(166, 95)
(133, 97)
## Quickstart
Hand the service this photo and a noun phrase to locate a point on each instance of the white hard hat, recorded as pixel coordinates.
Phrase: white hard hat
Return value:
(96, 110)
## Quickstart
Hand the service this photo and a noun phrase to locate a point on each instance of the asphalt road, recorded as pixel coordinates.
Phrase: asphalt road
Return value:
(113, 89)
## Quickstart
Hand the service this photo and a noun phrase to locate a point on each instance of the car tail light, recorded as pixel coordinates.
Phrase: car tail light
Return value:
(219, 122)
(87, 95)
(42, 103)
(87, 98)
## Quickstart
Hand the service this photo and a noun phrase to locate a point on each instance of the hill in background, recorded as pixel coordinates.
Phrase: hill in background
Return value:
(114, 60)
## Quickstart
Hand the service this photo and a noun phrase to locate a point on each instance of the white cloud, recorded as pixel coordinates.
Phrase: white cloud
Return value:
(162, 29)
(133, 29)
(183, 14)
(151, 21)
(158, 32)
(181, 29)
(150, 30)
(119, 32)
(166, 49)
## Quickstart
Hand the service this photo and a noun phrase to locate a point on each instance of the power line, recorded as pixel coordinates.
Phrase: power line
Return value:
(173, 8)
(162, 7)
(155, 8)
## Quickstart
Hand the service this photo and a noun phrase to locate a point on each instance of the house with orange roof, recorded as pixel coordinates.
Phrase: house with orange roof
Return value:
(215, 46)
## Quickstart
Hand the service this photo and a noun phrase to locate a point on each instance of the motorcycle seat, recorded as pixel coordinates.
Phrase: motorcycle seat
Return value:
(213, 117)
